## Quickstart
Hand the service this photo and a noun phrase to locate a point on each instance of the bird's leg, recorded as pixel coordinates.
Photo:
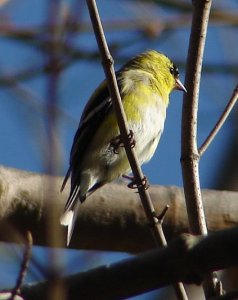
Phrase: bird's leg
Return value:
(128, 177)
(117, 142)
(133, 184)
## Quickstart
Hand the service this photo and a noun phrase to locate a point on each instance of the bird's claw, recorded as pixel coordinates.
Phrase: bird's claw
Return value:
(144, 184)
(131, 138)
(117, 142)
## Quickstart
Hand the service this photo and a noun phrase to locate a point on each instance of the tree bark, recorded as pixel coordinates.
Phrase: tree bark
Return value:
(111, 219)
(187, 259)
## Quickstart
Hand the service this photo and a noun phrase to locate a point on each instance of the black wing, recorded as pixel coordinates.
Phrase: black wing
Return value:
(95, 111)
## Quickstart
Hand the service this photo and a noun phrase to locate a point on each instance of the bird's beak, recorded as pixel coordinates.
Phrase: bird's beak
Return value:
(179, 86)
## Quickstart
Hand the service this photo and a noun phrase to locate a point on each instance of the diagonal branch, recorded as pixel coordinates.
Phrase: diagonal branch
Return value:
(185, 259)
(24, 265)
(107, 62)
(220, 122)
(147, 204)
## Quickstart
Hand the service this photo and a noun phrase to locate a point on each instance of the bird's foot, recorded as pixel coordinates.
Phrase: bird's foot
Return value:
(134, 185)
(117, 142)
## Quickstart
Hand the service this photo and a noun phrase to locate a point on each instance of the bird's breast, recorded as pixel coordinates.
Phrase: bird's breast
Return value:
(146, 120)
(147, 132)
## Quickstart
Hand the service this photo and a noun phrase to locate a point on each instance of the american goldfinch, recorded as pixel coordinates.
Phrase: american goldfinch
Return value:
(145, 83)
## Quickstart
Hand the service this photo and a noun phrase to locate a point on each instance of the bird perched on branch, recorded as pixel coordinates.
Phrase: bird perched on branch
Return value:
(96, 157)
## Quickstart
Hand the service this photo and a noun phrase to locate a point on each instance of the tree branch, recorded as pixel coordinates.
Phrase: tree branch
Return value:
(24, 266)
(107, 61)
(220, 122)
(111, 219)
(190, 155)
(188, 259)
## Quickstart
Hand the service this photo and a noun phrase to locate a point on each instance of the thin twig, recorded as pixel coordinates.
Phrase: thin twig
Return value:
(161, 216)
(190, 155)
(24, 266)
(107, 62)
(220, 122)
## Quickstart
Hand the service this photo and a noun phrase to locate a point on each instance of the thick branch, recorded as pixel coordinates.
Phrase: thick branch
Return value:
(111, 219)
(187, 259)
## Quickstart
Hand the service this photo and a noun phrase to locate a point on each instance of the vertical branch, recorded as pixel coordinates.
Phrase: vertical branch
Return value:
(54, 233)
(52, 91)
(190, 154)
(51, 117)
(107, 62)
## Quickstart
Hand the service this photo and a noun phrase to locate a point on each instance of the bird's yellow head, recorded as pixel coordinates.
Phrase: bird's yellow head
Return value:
(156, 70)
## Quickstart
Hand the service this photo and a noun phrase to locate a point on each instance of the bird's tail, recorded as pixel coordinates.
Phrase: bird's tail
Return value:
(68, 219)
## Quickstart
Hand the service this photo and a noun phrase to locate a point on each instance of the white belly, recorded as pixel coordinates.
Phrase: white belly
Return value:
(147, 134)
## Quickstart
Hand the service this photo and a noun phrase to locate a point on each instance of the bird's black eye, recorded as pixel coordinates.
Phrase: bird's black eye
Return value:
(174, 71)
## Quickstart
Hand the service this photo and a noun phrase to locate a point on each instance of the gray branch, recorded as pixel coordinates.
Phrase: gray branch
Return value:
(111, 219)
(187, 259)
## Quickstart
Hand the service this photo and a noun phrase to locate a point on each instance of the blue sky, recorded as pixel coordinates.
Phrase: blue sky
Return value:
(22, 126)
(22, 122)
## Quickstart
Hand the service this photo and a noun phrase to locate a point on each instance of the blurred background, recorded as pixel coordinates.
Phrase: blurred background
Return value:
(50, 65)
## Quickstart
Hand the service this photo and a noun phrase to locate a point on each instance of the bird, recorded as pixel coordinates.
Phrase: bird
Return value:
(96, 158)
